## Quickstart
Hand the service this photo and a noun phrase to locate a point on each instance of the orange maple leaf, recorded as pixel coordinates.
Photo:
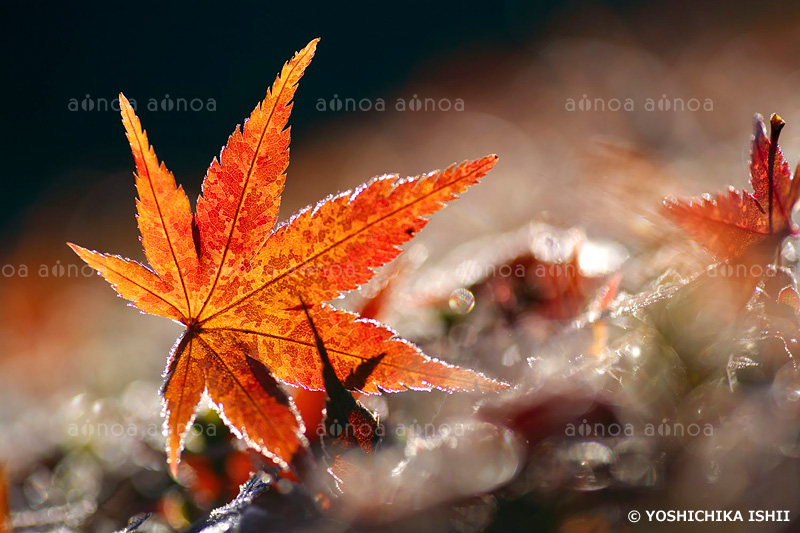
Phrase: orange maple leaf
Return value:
(734, 223)
(236, 281)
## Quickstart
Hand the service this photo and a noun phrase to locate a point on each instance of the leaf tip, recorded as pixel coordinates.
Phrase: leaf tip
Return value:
(490, 160)
(124, 106)
(173, 460)
(495, 385)
(310, 48)
(77, 249)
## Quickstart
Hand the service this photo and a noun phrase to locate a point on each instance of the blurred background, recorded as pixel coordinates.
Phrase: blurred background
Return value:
(597, 110)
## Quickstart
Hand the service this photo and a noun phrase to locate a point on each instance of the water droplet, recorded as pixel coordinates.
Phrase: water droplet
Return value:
(786, 389)
(713, 471)
(634, 464)
(590, 463)
(461, 301)
(550, 248)
(789, 252)
(633, 350)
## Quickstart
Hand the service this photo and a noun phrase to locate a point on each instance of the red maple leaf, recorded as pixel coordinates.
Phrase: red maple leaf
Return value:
(734, 224)
(235, 281)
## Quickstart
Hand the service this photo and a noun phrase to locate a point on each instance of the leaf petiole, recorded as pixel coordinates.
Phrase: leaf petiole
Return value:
(776, 124)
